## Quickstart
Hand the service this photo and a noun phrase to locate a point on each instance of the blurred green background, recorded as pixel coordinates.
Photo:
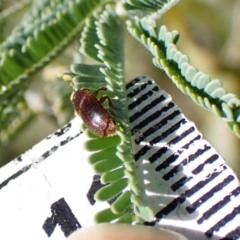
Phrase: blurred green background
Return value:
(209, 35)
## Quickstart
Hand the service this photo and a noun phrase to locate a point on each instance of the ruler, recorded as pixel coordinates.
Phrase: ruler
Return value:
(48, 191)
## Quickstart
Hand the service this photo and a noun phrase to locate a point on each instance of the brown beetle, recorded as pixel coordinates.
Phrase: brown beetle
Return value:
(93, 113)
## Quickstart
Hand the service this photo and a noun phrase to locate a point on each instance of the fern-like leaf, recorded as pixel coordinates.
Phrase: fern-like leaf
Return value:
(148, 8)
(41, 35)
(199, 86)
(112, 157)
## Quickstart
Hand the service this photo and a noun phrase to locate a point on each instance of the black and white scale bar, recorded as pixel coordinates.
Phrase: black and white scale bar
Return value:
(187, 184)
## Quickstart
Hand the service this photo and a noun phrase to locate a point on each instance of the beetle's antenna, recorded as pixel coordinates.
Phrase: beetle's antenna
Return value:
(72, 85)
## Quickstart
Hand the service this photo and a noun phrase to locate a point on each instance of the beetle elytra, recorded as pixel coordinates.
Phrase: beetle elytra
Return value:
(93, 113)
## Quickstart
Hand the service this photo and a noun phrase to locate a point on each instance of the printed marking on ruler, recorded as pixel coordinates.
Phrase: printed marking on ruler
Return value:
(182, 170)
(43, 156)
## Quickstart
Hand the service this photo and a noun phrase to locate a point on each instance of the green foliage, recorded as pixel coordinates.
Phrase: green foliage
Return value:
(204, 91)
(83, 74)
(48, 29)
(42, 34)
(152, 9)
(112, 152)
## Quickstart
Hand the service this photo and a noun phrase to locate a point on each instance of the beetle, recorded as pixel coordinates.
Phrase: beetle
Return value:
(93, 113)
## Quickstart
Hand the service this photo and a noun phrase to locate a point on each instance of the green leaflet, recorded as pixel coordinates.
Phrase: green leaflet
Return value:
(122, 203)
(199, 86)
(127, 218)
(107, 153)
(112, 176)
(111, 190)
(98, 144)
(107, 165)
(106, 216)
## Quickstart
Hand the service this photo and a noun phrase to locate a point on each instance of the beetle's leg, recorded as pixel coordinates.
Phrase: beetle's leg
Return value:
(103, 98)
(100, 89)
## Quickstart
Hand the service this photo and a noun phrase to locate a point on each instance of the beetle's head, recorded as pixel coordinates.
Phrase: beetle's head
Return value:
(79, 95)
